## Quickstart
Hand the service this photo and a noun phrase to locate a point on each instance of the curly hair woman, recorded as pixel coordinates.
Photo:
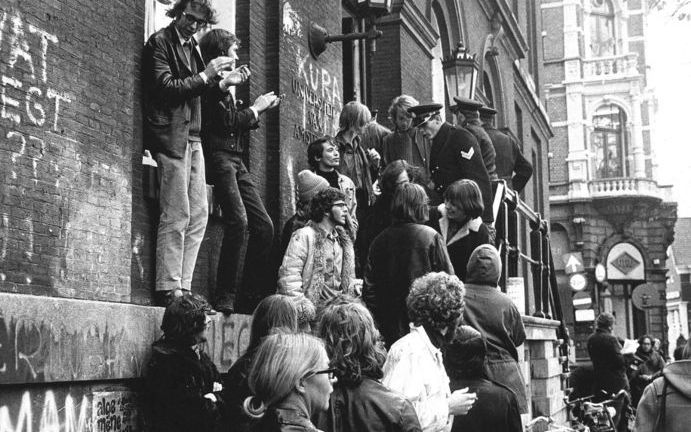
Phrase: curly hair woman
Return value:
(291, 382)
(359, 401)
(414, 366)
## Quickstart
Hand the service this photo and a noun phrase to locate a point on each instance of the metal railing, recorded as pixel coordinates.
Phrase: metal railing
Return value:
(508, 210)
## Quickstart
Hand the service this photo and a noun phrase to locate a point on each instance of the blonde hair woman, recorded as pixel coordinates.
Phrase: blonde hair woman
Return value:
(291, 381)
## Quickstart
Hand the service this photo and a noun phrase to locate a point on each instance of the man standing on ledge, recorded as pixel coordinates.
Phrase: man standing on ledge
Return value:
(173, 78)
(455, 154)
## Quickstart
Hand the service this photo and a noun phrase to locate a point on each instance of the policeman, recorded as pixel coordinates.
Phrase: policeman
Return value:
(466, 111)
(511, 165)
(455, 154)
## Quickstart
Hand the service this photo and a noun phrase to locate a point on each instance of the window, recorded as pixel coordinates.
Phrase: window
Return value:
(602, 42)
(609, 144)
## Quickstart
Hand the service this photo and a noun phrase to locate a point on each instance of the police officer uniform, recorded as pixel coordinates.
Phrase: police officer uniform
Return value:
(469, 109)
(455, 155)
(509, 159)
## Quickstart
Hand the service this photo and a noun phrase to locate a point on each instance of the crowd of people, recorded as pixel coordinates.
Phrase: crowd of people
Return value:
(659, 392)
(198, 134)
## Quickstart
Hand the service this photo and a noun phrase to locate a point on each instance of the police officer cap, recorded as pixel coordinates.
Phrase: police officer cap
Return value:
(422, 113)
(465, 105)
(486, 111)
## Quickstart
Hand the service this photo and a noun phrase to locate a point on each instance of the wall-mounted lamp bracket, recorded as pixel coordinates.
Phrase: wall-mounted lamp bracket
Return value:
(319, 38)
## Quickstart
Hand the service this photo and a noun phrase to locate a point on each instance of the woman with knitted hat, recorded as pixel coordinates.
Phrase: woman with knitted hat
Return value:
(308, 185)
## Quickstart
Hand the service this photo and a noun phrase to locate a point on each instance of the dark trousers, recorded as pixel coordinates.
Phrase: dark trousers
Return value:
(248, 235)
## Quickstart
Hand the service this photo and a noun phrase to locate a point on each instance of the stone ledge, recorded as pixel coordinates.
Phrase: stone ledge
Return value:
(50, 339)
(540, 328)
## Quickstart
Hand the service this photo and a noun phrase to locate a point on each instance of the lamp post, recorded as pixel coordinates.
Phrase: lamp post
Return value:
(319, 37)
(460, 73)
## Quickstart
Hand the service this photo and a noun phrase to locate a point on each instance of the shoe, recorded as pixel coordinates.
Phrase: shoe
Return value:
(225, 307)
(164, 298)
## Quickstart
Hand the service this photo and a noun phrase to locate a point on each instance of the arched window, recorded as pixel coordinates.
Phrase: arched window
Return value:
(602, 42)
(487, 87)
(609, 143)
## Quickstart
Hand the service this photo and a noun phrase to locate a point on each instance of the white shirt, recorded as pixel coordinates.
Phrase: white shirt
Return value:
(414, 368)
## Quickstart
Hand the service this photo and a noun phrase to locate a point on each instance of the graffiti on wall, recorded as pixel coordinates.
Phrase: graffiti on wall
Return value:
(227, 339)
(59, 410)
(54, 194)
(52, 339)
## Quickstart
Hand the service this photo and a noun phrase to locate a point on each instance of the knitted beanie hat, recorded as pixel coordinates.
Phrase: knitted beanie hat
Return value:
(309, 184)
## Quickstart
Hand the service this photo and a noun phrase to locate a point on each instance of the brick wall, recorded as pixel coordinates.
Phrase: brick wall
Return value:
(69, 123)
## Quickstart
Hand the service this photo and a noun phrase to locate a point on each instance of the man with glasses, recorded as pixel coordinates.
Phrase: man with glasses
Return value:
(174, 76)
(319, 263)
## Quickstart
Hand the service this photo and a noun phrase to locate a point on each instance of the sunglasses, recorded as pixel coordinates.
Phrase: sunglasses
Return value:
(330, 373)
(194, 20)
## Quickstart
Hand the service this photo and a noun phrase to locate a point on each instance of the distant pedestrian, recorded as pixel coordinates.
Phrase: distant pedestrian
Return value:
(496, 408)
(402, 253)
(460, 224)
(359, 401)
(648, 370)
(273, 312)
(511, 165)
(319, 262)
(679, 348)
(290, 380)
(494, 314)
(609, 367)
(414, 365)
(182, 385)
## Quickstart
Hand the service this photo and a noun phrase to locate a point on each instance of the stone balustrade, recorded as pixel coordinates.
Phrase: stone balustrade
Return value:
(611, 67)
(622, 187)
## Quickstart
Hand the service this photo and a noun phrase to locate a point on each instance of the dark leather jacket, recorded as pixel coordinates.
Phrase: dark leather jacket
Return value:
(170, 90)
(399, 255)
(224, 126)
(175, 384)
(368, 407)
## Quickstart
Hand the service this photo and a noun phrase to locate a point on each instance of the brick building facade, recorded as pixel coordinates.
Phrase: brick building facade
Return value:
(77, 207)
(606, 205)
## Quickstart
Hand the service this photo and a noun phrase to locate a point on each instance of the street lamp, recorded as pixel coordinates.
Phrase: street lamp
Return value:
(319, 37)
(460, 73)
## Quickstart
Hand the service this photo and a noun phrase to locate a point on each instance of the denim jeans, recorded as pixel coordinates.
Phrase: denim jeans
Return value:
(248, 236)
(184, 213)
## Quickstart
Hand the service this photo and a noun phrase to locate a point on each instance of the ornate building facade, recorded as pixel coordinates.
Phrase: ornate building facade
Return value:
(606, 206)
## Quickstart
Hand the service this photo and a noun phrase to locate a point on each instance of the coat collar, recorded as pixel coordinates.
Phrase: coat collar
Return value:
(179, 50)
(471, 225)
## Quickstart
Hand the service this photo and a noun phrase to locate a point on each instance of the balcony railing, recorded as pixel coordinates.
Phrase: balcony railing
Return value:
(628, 187)
(611, 67)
